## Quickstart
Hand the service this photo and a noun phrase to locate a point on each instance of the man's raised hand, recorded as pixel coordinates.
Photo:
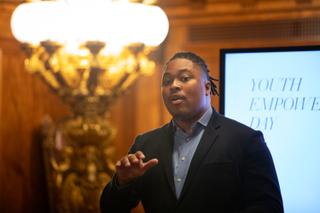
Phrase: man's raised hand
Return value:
(132, 166)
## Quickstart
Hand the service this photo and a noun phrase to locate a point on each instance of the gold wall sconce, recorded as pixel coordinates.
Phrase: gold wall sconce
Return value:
(88, 53)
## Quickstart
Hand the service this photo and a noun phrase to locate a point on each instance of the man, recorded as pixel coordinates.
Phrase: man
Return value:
(200, 162)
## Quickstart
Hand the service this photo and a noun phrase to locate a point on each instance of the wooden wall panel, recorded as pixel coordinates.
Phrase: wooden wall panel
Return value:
(1, 157)
(25, 101)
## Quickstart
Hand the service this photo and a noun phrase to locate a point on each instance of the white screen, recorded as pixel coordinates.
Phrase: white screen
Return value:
(279, 94)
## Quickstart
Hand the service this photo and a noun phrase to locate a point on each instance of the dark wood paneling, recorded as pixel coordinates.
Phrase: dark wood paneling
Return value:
(25, 101)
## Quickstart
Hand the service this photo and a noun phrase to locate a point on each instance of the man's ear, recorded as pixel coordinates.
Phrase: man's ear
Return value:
(208, 87)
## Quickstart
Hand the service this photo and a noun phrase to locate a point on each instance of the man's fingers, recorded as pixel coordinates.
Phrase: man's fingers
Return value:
(118, 164)
(135, 161)
(133, 158)
(151, 163)
(125, 161)
(130, 160)
(139, 155)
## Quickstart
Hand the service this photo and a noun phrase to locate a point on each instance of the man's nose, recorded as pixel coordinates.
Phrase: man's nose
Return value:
(176, 84)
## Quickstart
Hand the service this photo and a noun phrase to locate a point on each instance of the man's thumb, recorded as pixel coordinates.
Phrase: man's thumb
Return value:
(151, 163)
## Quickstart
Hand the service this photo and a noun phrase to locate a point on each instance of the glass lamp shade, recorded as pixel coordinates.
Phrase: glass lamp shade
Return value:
(116, 23)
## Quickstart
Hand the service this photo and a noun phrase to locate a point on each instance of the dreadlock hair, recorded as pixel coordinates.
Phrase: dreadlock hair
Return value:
(201, 63)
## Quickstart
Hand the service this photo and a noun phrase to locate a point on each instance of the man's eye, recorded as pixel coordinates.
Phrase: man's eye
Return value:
(185, 78)
(166, 81)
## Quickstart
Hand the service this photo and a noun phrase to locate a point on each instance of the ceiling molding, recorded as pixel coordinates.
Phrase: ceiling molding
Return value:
(308, 28)
(186, 8)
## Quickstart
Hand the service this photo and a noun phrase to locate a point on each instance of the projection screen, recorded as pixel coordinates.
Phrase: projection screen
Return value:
(277, 91)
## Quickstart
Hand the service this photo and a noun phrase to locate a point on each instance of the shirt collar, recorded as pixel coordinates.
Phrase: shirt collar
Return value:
(204, 120)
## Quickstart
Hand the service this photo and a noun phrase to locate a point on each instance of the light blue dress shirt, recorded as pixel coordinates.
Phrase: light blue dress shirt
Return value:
(184, 147)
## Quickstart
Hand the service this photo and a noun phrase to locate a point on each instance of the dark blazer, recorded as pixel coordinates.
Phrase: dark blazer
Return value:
(231, 171)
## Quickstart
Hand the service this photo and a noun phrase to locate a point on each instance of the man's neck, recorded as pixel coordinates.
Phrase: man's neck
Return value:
(186, 124)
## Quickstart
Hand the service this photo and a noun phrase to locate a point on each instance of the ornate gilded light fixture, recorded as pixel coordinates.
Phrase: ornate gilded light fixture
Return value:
(88, 53)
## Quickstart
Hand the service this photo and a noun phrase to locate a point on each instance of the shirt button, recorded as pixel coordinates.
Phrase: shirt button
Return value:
(179, 179)
(183, 158)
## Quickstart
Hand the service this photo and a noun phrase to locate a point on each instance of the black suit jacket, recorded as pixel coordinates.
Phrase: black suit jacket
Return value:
(231, 171)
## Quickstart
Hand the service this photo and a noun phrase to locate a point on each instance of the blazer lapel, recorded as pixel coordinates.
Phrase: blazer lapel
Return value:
(206, 142)
(166, 155)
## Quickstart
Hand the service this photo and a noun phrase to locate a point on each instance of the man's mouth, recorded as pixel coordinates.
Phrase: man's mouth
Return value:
(176, 99)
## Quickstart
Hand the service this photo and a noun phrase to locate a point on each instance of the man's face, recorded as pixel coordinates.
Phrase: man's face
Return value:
(185, 90)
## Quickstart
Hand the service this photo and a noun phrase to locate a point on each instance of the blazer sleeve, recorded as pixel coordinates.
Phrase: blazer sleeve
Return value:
(120, 199)
(261, 187)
